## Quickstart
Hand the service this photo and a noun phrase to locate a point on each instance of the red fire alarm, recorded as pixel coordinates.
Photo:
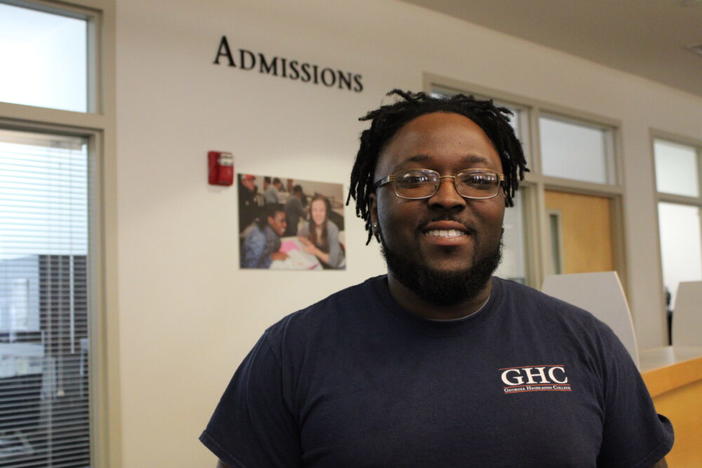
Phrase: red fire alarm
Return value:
(220, 167)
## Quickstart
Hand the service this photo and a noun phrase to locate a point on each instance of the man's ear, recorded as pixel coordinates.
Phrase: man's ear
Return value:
(373, 214)
(373, 209)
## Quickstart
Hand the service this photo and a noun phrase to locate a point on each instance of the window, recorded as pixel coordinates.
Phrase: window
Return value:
(573, 150)
(44, 59)
(679, 202)
(676, 169)
(53, 195)
(44, 397)
(514, 259)
(554, 226)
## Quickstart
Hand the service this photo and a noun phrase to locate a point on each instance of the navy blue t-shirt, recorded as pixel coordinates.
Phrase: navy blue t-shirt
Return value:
(357, 381)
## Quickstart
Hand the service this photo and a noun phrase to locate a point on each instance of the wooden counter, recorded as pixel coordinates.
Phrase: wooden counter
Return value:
(673, 376)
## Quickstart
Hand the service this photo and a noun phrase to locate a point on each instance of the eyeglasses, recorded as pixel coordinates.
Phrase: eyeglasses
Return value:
(417, 184)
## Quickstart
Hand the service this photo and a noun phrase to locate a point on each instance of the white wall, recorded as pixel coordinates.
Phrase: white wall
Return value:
(187, 315)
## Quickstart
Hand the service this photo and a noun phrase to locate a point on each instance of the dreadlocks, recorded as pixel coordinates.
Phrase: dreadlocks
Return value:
(388, 119)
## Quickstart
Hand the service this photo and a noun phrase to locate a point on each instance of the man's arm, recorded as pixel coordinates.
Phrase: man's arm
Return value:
(252, 425)
(254, 248)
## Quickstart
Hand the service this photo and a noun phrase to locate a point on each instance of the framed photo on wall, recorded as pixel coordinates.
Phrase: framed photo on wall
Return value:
(290, 224)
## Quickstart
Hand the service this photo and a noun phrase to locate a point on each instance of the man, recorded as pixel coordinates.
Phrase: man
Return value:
(271, 193)
(437, 364)
(294, 210)
(262, 242)
(247, 200)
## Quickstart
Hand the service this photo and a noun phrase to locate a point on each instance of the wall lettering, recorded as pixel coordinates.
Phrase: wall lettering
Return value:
(282, 67)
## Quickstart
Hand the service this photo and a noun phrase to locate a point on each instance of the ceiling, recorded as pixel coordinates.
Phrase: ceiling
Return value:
(649, 38)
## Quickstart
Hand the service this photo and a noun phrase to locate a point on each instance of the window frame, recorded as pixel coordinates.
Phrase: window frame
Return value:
(676, 199)
(613, 172)
(537, 236)
(93, 18)
(98, 126)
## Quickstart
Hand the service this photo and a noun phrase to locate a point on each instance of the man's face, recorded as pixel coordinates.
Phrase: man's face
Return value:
(248, 183)
(446, 233)
(277, 222)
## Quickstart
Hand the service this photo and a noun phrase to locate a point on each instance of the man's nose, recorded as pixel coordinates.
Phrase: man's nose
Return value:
(446, 195)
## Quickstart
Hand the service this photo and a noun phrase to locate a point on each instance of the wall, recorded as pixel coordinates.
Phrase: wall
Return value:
(187, 315)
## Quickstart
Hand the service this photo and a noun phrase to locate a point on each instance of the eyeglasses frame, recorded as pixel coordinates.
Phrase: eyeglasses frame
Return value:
(391, 178)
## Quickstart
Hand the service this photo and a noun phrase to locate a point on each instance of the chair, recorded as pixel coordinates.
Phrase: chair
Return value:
(602, 295)
(687, 317)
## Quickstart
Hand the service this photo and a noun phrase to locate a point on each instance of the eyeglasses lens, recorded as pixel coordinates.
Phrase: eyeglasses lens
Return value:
(477, 184)
(423, 184)
(417, 184)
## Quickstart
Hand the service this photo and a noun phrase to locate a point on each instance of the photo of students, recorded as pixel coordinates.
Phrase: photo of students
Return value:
(271, 193)
(320, 236)
(248, 207)
(262, 242)
(310, 214)
(295, 210)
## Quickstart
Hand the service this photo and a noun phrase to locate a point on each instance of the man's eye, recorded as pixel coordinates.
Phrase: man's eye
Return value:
(480, 180)
(414, 179)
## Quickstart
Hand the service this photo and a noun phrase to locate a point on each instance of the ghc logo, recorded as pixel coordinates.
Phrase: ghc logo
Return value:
(538, 378)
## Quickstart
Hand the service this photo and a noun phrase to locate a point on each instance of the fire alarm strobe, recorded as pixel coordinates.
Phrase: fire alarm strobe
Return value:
(220, 166)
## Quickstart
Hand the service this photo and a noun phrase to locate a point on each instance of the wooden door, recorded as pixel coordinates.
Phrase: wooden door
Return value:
(584, 225)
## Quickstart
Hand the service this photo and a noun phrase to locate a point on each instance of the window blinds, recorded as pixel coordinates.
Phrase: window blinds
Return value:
(44, 393)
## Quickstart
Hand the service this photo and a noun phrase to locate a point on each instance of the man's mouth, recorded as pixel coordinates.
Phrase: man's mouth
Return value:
(445, 233)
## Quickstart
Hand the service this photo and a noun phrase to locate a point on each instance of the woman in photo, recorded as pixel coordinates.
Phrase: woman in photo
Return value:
(320, 236)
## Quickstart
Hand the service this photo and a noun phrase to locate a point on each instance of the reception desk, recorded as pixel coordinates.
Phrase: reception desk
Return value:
(673, 376)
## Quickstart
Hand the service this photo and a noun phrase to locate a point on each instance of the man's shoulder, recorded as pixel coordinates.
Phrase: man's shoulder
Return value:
(533, 301)
(254, 234)
(335, 311)
(293, 202)
(559, 320)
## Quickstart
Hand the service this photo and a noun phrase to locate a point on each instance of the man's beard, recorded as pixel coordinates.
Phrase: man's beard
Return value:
(442, 287)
